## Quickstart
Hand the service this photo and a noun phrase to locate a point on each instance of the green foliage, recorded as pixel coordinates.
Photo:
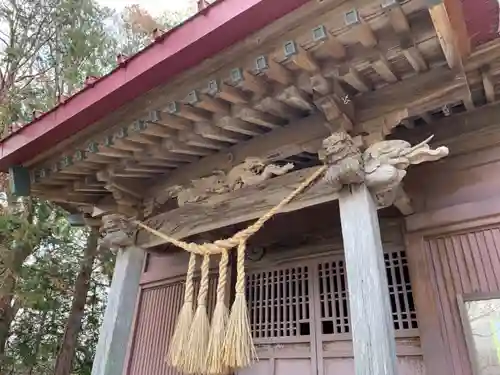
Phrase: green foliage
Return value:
(44, 289)
(47, 49)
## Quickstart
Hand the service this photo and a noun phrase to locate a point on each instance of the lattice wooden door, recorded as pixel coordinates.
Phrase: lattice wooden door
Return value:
(299, 314)
(334, 345)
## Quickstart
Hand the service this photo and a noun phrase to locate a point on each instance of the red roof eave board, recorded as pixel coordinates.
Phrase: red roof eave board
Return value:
(214, 29)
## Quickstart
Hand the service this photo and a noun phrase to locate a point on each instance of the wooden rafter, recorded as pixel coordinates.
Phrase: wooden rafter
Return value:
(267, 93)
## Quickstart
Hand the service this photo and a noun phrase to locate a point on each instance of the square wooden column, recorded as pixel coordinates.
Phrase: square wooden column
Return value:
(370, 311)
(117, 323)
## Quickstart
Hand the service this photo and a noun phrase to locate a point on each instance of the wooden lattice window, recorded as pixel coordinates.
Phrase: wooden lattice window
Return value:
(398, 279)
(334, 303)
(279, 302)
(333, 298)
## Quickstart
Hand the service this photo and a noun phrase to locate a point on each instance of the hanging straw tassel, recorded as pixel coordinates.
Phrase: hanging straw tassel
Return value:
(198, 335)
(178, 344)
(215, 352)
(239, 351)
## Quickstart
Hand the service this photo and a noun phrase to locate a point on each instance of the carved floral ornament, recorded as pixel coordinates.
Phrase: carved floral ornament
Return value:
(382, 166)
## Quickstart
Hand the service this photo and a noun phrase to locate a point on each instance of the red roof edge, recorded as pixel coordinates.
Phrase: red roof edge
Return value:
(482, 20)
(215, 28)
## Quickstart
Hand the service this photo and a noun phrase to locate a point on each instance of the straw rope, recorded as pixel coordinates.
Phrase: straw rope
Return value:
(215, 350)
(239, 350)
(194, 361)
(197, 348)
(218, 246)
(176, 354)
(221, 284)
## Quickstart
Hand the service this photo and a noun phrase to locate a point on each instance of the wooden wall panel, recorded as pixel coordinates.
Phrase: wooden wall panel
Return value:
(155, 319)
(455, 180)
(152, 335)
(444, 266)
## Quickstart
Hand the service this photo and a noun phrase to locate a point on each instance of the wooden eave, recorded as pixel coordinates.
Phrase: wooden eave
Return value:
(364, 66)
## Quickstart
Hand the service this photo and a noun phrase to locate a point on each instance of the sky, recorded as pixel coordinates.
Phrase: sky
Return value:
(152, 6)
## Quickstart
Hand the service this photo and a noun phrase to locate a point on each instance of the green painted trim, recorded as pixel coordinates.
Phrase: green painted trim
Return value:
(19, 181)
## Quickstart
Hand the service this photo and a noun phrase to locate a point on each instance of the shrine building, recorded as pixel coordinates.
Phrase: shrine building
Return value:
(383, 120)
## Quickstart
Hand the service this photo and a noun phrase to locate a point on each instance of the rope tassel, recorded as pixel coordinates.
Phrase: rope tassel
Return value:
(214, 360)
(178, 345)
(198, 335)
(239, 351)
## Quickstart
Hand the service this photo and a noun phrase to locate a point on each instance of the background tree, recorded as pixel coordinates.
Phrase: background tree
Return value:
(47, 49)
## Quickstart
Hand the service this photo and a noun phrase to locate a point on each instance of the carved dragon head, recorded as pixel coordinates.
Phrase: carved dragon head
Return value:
(401, 153)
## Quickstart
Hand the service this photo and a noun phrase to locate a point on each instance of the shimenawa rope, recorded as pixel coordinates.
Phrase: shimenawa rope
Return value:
(194, 349)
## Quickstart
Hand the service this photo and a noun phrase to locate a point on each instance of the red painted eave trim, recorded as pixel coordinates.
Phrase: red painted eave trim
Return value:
(214, 29)
(482, 20)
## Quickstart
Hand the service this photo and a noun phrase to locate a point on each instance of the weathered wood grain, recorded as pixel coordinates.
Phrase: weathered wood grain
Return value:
(279, 144)
(371, 318)
(236, 207)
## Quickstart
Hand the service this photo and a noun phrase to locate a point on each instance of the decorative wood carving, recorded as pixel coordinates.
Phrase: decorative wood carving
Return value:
(116, 232)
(382, 166)
(252, 171)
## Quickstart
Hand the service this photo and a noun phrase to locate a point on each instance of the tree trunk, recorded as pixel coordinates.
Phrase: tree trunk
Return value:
(66, 354)
(6, 311)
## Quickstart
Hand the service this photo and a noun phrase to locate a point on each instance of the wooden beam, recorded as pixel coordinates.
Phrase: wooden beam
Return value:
(296, 98)
(359, 29)
(168, 120)
(209, 131)
(396, 15)
(383, 69)
(301, 58)
(229, 93)
(273, 70)
(257, 117)
(276, 145)
(459, 124)
(413, 55)
(417, 94)
(237, 125)
(188, 112)
(118, 320)
(236, 207)
(244, 79)
(372, 325)
(483, 55)
(488, 85)
(289, 140)
(352, 77)
(445, 33)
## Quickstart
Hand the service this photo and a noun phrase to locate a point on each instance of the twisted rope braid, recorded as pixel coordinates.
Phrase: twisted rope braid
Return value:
(202, 294)
(221, 284)
(189, 291)
(219, 246)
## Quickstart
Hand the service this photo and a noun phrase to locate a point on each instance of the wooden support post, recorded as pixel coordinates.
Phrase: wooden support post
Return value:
(117, 323)
(371, 318)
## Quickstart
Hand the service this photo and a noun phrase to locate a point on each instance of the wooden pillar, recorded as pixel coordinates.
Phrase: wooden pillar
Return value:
(370, 311)
(117, 323)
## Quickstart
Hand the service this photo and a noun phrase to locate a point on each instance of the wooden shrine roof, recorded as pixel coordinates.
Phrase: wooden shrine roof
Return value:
(362, 65)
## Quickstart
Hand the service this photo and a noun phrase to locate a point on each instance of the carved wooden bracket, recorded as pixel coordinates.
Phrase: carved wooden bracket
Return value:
(382, 166)
(116, 233)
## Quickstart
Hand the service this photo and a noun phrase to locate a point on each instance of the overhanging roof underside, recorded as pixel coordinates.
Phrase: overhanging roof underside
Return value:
(362, 66)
